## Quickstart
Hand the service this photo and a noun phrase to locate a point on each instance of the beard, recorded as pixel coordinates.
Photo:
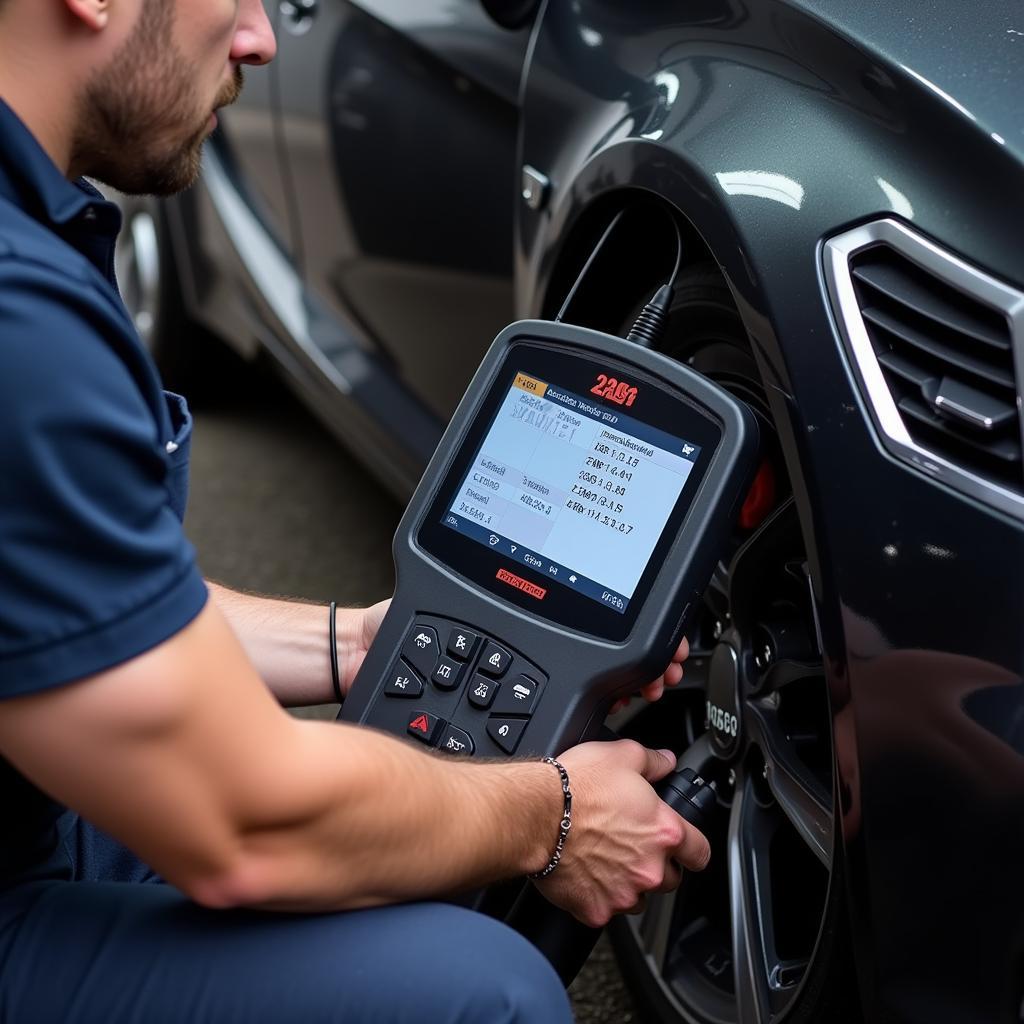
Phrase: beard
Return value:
(142, 122)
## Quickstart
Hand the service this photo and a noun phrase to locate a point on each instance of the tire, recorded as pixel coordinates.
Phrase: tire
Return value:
(774, 894)
(190, 359)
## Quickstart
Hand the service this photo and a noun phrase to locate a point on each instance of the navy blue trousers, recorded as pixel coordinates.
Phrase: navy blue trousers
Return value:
(133, 949)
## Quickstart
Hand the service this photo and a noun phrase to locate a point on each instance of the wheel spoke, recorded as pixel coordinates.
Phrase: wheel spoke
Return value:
(758, 560)
(802, 798)
(750, 907)
(785, 672)
(654, 925)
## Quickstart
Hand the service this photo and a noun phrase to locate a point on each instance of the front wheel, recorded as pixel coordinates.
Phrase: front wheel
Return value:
(760, 936)
(189, 358)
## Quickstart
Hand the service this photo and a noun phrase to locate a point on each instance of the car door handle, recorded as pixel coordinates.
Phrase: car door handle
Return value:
(298, 15)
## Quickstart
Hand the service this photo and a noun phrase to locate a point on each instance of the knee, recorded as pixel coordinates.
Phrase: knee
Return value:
(508, 981)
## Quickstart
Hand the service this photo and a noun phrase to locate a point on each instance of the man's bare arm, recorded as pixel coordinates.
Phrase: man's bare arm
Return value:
(288, 642)
(183, 755)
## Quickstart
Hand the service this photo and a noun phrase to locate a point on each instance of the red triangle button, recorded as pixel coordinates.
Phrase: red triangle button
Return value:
(424, 726)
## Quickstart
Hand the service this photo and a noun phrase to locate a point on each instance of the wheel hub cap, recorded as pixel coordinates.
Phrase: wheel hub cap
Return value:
(723, 701)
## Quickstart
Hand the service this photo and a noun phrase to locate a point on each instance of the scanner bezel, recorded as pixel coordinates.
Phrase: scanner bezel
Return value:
(658, 404)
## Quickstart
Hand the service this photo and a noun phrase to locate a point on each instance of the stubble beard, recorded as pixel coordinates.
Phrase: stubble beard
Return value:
(142, 120)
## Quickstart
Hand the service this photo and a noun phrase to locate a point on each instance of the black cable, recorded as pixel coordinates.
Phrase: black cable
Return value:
(649, 326)
(679, 255)
(590, 262)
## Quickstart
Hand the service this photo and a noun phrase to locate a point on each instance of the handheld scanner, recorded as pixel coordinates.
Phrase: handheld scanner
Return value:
(556, 545)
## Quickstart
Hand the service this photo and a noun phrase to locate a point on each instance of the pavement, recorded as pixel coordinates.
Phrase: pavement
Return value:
(278, 507)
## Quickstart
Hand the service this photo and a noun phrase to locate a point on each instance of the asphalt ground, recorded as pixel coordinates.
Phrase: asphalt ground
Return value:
(278, 507)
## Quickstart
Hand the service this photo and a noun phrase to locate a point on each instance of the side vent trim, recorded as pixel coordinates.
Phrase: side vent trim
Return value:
(936, 347)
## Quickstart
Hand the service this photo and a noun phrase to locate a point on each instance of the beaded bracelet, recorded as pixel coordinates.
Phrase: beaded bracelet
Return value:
(564, 825)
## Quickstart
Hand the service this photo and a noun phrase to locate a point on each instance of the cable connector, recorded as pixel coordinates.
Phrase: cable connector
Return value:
(650, 324)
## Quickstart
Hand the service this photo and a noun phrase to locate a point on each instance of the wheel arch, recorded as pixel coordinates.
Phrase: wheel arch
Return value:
(669, 185)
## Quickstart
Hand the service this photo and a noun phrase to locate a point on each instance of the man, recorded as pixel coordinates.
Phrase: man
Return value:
(129, 697)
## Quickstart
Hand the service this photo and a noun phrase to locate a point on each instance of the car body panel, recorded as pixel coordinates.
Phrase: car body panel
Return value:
(417, 262)
(772, 130)
(771, 126)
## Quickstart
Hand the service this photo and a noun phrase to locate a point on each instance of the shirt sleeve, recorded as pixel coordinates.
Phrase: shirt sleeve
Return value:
(94, 566)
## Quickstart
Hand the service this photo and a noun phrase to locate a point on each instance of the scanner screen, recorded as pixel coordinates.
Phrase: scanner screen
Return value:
(576, 490)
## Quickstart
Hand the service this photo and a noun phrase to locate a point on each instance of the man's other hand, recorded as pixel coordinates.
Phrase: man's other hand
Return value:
(672, 677)
(625, 841)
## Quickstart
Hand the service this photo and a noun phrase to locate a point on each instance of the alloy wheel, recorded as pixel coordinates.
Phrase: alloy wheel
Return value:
(137, 266)
(739, 943)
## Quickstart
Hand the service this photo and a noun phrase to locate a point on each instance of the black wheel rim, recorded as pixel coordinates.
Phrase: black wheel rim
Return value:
(735, 944)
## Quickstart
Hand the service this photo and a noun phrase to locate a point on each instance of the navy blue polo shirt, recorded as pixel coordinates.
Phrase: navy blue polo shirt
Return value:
(94, 566)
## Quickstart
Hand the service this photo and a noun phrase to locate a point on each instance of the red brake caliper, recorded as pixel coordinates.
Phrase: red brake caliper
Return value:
(760, 498)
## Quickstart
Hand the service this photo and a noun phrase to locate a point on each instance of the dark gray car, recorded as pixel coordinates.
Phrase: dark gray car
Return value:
(409, 176)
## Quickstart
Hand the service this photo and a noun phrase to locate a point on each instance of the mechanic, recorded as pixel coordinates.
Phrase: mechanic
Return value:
(173, 845)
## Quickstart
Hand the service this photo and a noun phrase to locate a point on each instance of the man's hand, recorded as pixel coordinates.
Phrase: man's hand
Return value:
(625, 841)
(672, 677)
(355, 635)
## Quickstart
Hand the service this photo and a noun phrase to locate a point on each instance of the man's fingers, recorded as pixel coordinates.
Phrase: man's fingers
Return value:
(653, 691)
(673, 674)
(639, 907)
(657, 764)
(673, 877)
(682, 651)
(694, 851)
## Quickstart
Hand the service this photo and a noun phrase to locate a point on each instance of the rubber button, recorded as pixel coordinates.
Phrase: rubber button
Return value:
(495, 660)
(421, 650)
(456, 741)
(447, 674)
(482, 692)
(425, 726)
(403, 682)
(506, 732)
(461, 643)
(518, 697)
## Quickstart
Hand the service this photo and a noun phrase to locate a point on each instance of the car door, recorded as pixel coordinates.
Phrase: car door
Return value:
(247, 135)
(399, 119)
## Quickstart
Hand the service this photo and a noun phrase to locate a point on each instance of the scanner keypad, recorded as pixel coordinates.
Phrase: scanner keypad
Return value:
(461, 706)
(461, 643)
(495, 660)
(447, 674)
(403, 682)
(421, 649)
(483, 691)
(518, 696)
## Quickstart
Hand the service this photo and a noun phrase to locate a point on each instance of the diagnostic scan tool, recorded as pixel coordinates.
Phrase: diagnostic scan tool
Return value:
(560, 538)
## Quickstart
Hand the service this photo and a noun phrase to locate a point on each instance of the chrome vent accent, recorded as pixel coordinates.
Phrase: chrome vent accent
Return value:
(937, 347)
(948, 361)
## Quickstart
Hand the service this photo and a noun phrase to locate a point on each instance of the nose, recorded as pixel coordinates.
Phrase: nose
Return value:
(254, 41)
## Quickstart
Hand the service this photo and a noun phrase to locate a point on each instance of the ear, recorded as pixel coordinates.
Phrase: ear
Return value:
(93, 14)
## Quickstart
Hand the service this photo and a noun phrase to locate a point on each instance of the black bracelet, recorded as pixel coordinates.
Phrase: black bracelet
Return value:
(564, 825)
(335, 674)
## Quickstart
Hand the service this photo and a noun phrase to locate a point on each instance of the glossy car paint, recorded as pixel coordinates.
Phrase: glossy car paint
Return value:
(310, 238)
(363, 94)
(770, 126)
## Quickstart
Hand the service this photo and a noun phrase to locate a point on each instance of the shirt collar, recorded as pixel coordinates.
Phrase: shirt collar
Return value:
(32, 180)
